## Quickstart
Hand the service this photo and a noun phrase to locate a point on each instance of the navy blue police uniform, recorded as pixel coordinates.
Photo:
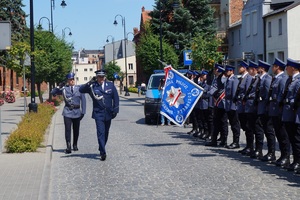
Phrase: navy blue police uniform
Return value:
(275, 112)
(220, 120)
(73, 112)
(250, 109)
(105, 107)
(239, 95)
(263, 125)
(230, 107)
(292, 86)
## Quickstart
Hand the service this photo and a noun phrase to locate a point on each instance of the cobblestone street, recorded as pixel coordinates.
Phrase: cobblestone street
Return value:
(158, 162)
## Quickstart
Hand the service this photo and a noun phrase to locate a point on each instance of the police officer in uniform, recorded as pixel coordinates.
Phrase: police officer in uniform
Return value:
(74, 110)
(205, 112)
(230, 106)
(250, 107)
(264, 124)
(220, 120)
(105, 106)
(292, 86)
(238, 98)
(275, 112)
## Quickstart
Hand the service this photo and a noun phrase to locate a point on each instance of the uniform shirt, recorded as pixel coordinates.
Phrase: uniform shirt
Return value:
(277, 87)
(263, 95)
(241, 90)
(250, 95)
(288, 113)
(230, 90)
(75, 98)
(105, 99)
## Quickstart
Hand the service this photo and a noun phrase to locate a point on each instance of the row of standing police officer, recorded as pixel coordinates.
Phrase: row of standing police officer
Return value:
(256, 102)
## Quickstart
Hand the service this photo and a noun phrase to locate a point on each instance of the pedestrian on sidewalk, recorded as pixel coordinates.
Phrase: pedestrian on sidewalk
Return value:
(74, 110)
(105, 106)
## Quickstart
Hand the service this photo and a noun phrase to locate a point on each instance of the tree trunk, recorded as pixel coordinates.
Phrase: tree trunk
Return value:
(11, 80)
(38, 85)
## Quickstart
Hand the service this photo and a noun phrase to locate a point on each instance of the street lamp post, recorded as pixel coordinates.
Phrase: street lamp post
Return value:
(64, 33)
(124, 25)
(160, 35)
(113, 47)
(32, 106)
(52, 4)
(40, 25)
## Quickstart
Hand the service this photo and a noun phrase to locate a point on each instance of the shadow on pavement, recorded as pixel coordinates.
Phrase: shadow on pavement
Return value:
(263, 166)
(86, 155)
(202, 155)
(161, 144)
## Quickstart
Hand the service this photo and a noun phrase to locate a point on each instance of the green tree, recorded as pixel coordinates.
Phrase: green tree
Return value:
(148, 52)
(205, 51)
(110, 69)
(181, 24)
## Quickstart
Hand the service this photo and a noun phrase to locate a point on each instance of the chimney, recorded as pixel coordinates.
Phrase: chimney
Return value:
(135, 30)
(143, 9)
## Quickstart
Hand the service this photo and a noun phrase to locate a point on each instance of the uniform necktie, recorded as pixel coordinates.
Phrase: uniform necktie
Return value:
(72, 90)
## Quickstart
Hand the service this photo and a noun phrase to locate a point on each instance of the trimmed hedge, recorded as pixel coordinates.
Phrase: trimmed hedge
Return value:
(30, 132)
(133, 89)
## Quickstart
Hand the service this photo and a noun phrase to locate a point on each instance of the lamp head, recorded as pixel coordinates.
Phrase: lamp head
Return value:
(63, 4)
(115, 23)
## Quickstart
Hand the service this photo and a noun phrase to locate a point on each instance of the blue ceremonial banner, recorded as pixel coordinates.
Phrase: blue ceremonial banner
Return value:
(179, 96)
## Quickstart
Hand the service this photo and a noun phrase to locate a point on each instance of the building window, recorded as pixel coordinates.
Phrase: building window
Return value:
(130, 66)
(77, 79)
(76, 70)
(269, 29)
(260, 57)
(130, 80)
(271, 58)
(85, 69)
(280, 26)
(17, 80)
(254, 21)
(281, 55)
(91, 69)
(239, 36)
(248, 28)
(232, 38)
(85, 78)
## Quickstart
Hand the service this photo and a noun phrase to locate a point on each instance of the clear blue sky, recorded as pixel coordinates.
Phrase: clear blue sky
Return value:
(90, 21)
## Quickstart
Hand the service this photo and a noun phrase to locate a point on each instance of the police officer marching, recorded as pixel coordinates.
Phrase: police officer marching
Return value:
(74, 109)
(105, 106)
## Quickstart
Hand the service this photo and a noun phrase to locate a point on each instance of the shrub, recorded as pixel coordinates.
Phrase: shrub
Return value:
(30, 132)
(133, 89)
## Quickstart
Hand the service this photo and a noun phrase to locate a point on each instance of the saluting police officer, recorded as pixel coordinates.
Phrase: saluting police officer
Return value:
(250, 107)
(275, 112)
(238, 98)
(292, 86)
(74, 110)
(230, 106)
(105, 106)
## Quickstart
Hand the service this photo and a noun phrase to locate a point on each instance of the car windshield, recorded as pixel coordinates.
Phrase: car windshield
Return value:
(154, 81)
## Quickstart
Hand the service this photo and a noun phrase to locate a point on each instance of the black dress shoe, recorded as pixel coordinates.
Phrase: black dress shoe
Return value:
(196, 134)
(269, 157)
(283, 162)
(233, 146)
(211, 144)
(103, 157)
(295, 166)
(256, 155)
(68, 149)
(245, 151)
(223, 144)
(192, 132)
(75, 148)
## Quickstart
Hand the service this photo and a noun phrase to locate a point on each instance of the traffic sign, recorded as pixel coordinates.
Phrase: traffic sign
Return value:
(187, 60)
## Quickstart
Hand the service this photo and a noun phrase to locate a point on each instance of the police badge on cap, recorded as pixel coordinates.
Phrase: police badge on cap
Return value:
(70, 75)
(100, 72)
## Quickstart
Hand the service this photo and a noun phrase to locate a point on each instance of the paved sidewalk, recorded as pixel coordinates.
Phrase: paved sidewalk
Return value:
(26, 175)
